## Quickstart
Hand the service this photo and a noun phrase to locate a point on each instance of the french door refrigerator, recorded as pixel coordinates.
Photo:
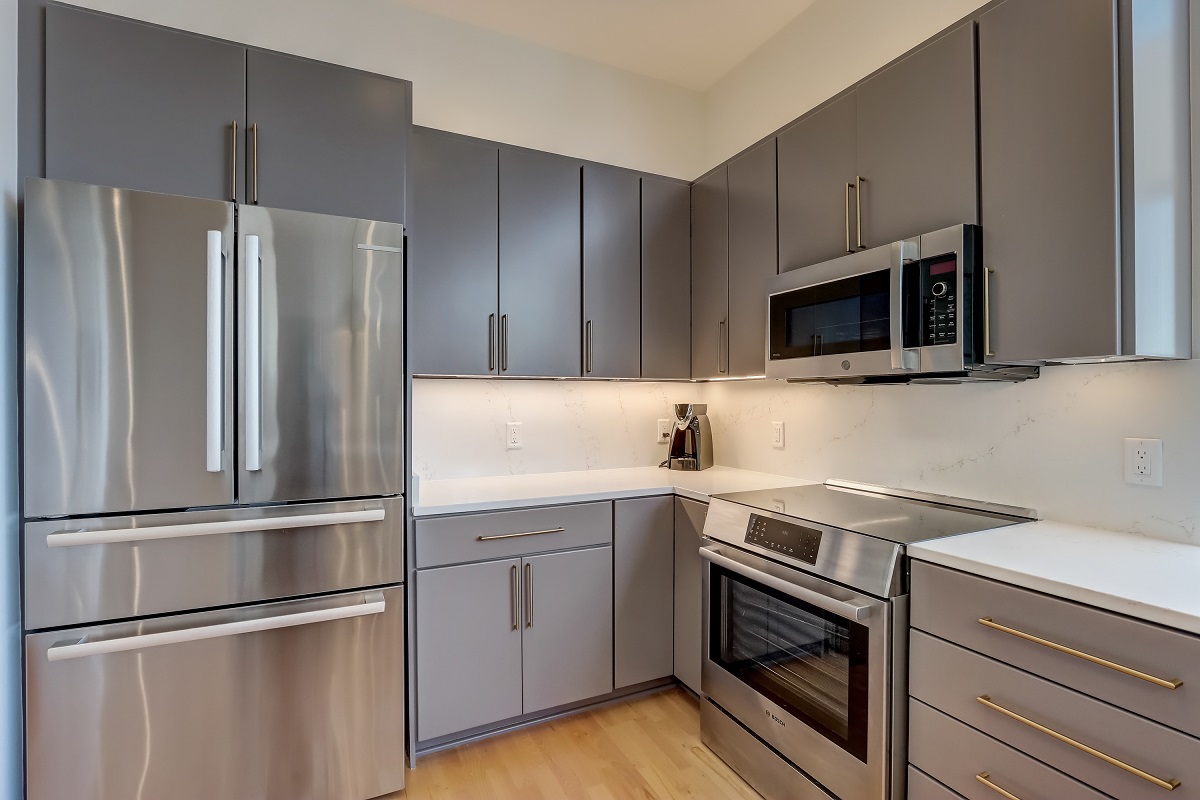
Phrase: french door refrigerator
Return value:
(212, 464)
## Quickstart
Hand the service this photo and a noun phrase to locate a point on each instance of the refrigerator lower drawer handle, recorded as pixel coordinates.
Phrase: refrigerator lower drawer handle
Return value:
(83, 648)
(151, 532)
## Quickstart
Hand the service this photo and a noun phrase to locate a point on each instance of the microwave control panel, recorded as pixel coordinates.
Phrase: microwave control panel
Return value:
(939, 300)
(785, 538)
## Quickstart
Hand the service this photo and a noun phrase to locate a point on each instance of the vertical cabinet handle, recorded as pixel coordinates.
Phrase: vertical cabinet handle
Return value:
(859, 180)
(233, 142)
(587, 359)
(215, 384)
(720, 347)
(254, 150)
(849, 187)
(512, 593)
(491, 342)
(987, 312)
(504, 342)
(253, 354)
(529, 595)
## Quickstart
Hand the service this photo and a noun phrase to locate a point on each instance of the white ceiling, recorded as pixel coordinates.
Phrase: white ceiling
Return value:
(689, 43)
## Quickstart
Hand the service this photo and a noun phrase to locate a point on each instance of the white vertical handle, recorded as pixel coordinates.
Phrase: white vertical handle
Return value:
(215, 388)
(253, 354)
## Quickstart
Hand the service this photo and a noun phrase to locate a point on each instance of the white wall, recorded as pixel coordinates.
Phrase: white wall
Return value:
(466, 79)
(832, 45)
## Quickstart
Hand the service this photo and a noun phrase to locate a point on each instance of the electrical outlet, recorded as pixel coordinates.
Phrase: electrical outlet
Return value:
(512, 439)
(1144, 462)
(664, 431)
(777, 435)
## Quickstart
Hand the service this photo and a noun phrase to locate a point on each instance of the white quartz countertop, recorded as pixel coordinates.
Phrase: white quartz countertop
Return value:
(460, 495)
(1150, 579)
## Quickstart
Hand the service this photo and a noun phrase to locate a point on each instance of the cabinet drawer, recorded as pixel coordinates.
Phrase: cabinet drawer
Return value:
(956, 754)
(504, 534)
(923, 787)
(1156, 652)
(959, 682)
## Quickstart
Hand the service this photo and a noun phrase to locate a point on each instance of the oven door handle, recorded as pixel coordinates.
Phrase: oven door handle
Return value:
(845, 609)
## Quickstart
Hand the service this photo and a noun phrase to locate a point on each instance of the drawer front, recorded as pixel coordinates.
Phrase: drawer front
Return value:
(953, 680)
(958, 756)
(505, 534)
(923, 787)
(1157, 652)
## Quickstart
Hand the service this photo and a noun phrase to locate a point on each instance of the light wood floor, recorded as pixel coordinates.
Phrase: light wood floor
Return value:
(647, 749)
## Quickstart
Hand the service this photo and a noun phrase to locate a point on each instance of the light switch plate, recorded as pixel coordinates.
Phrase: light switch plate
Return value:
(664, 431)
(1144, 462)
(777, 435)
(512, 438)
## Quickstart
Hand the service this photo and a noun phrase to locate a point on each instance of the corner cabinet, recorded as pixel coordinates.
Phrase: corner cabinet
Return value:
(753, 257)
(689, 591)
(710, 275)
(666, 279)
(643, 565)
(612, 273)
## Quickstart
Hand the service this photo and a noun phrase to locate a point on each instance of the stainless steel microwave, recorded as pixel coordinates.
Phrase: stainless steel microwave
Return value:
(914, 310)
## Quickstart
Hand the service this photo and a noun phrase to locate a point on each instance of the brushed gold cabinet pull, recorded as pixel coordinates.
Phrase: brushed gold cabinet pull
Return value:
(859, 180)
(233, 162)
(1170, 784)
(987, 312)
(985, 779)
(254, 147)
(1062, 648)
(849, 186)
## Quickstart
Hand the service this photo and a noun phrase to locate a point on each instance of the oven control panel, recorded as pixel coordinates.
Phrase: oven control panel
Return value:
(786, 538)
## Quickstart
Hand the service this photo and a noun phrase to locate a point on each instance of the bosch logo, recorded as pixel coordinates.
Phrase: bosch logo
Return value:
(775, 719)
(845, 365)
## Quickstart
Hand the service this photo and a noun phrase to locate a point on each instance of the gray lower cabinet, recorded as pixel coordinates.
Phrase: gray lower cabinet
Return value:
(325, 138)
(453, 257)
(568, 634)
(710, 275)
(141, 107)
(540, 324)
(753, 257)
(612, 273)
(666, 279)
(689, 612)
(643, 566)
(468, 646)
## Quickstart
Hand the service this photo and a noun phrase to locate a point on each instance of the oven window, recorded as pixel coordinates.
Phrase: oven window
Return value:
(811, 662)
(850, 315)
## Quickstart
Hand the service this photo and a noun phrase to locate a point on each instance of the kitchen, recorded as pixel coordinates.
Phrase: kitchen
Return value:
(511, 172)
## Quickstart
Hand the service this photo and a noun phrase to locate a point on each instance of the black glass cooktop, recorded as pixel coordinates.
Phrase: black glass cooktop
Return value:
(894, 519)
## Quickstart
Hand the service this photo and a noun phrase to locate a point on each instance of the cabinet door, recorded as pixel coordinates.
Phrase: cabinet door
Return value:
(689, 613)
(817, 158)
(140, 107)
(710, 275)
(916, 142)
(453, 256)
(540, 330)
(666, 279)
(753, 256)
(329, 139)
(612, 340)
(643, 543)
(1048, 176)
(568, 641)
(468, 647)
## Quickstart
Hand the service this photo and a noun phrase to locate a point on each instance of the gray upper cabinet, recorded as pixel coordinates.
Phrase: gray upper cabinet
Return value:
(689, 587)
(453, 255)
(643, 563)
(666, 279)
(710, 275)
(540, 321)
(611, 273)
(752, 257)
(817, 159)
(141, 107)
(325, 138)
(917, 141)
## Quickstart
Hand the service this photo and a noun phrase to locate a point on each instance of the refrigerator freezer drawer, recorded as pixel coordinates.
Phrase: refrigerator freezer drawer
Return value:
(86, 571)
(301, 700)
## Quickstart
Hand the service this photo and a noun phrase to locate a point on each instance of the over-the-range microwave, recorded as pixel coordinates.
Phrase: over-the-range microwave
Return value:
(910, 311)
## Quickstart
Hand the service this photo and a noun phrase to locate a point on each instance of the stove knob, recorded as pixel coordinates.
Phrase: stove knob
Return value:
(940, 289)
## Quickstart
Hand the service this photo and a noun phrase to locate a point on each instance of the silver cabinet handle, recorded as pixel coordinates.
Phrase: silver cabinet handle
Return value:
(987, 312)
(720, 345)
(849, 187)
(587, 356)
(1166, 683)
(62, 652)
(846, 610)
(529, 589)
(985, 779)
(151, 532)
(491, 342)
(215, 382)
(859, 180)
(253, 353)
(516, 613)
(504, 342)
(233, 143)
(254, 150)
(494, 537)
(1170, 784)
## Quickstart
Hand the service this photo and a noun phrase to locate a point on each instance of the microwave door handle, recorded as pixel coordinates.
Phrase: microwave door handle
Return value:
(903, 359)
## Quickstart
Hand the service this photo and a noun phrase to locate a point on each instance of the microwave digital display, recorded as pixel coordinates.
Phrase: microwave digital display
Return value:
(851, 315)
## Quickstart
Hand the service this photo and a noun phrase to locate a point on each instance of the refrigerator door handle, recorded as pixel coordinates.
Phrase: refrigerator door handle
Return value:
(61, 652)
(215, 386)
(151, 532)
(253, 354)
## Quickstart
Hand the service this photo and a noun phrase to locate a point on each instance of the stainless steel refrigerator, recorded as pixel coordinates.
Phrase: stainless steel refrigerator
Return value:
(212, 464)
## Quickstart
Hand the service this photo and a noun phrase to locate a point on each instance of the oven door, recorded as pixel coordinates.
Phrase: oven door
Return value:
(804, 664)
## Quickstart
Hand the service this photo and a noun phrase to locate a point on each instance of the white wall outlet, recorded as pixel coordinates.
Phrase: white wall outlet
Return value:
(664, 431)
(777, 435)
(512, 439)
(1144, 462)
